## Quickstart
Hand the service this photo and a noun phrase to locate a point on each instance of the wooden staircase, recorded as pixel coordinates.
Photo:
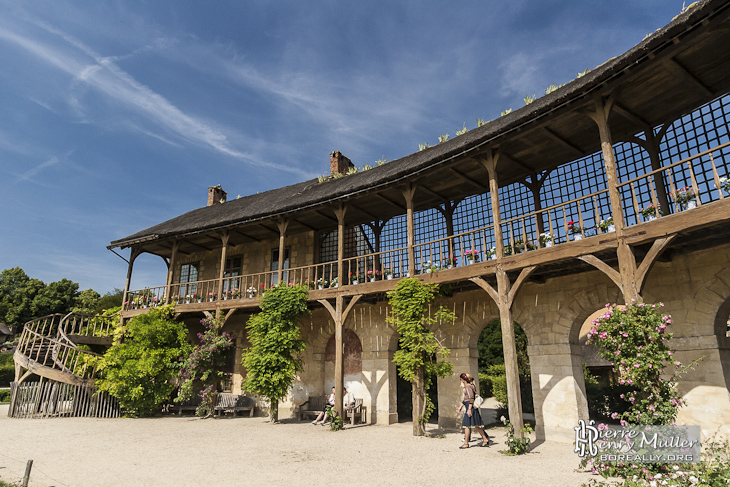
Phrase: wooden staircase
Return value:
(49, 348)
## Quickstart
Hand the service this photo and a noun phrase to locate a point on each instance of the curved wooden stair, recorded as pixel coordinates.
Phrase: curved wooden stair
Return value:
(49, 348)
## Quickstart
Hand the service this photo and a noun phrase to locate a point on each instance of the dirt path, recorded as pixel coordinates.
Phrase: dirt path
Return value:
(172, 451)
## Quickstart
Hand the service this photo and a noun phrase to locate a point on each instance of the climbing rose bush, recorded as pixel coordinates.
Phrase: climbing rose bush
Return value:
(634, 337)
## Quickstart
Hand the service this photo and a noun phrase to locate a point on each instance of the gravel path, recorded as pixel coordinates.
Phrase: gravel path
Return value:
(174, 451)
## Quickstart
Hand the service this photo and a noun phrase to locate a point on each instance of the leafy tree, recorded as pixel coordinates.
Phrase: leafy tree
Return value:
(273, 358)
(417, 358)
(109, 300)
(491, 351)
(139, 369)
(17, 292)
(203, 367)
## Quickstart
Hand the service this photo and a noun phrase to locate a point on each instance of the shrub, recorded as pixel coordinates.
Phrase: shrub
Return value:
(4, 396)
(139, 370)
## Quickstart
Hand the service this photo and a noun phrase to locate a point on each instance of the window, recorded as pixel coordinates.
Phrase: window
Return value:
(232, 269)
(275, 265)
(188, 273)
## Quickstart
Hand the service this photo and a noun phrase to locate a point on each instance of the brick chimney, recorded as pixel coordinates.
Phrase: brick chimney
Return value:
(216, 195)
(339, 163)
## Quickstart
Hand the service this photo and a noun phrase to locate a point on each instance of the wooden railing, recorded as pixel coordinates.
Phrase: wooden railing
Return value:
(700, 179)
(692, 182)
(86, 325)
(55, 353)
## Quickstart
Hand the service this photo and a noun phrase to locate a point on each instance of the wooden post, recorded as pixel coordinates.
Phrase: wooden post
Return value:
(340, 214)
(626, 259)
(26, 477)
(490, 163)
(171, 271)
(224, 250)
(504, 302)
(282, 248)
(132, 256)
(408, 195)
(652, 147)
(339, 314)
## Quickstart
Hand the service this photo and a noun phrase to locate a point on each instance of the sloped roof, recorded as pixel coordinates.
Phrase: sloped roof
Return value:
(312, 194)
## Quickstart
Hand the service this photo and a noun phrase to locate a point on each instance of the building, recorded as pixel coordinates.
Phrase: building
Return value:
(626, 142)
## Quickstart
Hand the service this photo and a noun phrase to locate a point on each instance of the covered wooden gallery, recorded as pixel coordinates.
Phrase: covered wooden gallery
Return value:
(541, 217)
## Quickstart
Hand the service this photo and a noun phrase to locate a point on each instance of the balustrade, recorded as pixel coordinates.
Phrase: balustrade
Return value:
(697, 180)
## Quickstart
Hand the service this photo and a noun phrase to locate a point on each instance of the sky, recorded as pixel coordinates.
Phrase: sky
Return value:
(118, 115)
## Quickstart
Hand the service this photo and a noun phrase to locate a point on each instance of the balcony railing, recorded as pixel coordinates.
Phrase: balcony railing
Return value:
(677, 186)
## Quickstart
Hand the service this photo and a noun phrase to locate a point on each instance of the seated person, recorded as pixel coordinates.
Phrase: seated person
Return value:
(323, 414)
(348, 401)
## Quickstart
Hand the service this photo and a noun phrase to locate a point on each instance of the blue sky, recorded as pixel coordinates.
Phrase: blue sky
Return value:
(118, 115)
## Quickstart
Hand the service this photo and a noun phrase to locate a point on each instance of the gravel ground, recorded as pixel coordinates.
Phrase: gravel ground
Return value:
(186, 451)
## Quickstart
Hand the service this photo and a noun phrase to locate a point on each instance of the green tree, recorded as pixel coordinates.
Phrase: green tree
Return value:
(140, 368)
(417, 359)
(276, 344)
(17, 292)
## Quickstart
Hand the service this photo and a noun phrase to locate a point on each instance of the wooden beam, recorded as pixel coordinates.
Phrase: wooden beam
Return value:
(631, 116)
(563, 141)
(324, 215)
(487, 287)
(514, 160)
(299, 222)
(688, 76)
(656, 248)
(353, 300)
(272, 230)
(612, 273)
(207, 249)
(238, 232)
(434, 193)
(366, 213)
(390, 201)
(524, 274)
(469, 180)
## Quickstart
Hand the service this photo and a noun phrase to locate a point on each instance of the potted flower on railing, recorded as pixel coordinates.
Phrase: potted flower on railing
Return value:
(471, 256)
(155, 302)
(335, 282)
(686, 197)
(372, 275)
(449, 262)
(607, 225)
(196, 297)
(251, 291)
(187, 299)
(322, 283)
(235, 293)
(650, 213)
(212, 295)
(492, 253)
(388, 273)
(354, 278)
(546, 239)
(724, 185)
(575, 229)
(429, 267)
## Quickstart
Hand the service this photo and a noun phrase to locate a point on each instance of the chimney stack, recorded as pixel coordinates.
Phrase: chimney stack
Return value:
(339, 163)
(216, 195)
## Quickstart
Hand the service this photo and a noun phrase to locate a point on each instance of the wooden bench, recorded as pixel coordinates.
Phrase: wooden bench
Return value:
(188, 405)
(233, 403)
(313, 406)
(357, 410)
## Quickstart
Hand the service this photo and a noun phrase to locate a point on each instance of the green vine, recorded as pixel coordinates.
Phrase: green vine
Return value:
(335, 420)
(417, 359)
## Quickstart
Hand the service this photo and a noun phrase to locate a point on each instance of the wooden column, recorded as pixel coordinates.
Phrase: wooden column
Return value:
(339, 315)
(408, 195)
(282, 225)
(224, 250)
(171, 270)
(448, 213)
(626, 259)
(490, 163)
(535, 186)
(340, 214)
(132, 256)
(652, 147)
(504, 298)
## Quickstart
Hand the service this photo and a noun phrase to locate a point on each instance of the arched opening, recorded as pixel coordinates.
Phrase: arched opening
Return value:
(352, 359)
(404, 399)
(492, 377)
(603, 391)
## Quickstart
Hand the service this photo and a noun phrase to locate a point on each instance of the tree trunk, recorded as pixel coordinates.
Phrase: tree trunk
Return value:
(419, 402)
(274, 412)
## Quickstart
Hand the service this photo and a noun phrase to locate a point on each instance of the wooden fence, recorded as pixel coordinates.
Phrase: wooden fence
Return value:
(46, 399)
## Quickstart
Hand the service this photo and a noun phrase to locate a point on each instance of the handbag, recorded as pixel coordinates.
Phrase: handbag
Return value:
(478, 400)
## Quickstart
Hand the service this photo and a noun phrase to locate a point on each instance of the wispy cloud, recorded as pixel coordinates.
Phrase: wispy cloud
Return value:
(101, 73)
(30, 174)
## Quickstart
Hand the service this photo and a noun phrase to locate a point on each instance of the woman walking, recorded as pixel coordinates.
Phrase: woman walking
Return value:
(471, 414)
